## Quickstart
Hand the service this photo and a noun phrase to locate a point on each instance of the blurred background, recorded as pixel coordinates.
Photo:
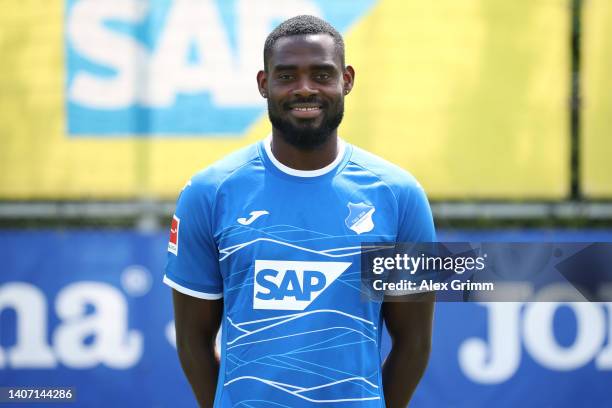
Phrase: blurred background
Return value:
(501, 109)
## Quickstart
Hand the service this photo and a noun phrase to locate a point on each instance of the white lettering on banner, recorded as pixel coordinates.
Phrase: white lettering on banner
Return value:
(604, 359)
(171, 333)
(156, 79)
(31, 349)
(539, 335)
(113, 343)
(127, 57)
(171, 336)
(498, 359)
(540, 341)
(190, 22)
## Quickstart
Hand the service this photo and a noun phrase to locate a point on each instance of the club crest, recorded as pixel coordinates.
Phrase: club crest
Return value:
(360, 217)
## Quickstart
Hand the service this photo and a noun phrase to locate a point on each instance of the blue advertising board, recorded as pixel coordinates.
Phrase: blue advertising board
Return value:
(87, 309)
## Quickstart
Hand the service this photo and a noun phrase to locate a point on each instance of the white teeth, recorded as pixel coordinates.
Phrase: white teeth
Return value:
(305, 109)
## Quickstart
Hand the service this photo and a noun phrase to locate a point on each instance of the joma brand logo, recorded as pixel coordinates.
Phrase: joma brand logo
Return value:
(292, 285)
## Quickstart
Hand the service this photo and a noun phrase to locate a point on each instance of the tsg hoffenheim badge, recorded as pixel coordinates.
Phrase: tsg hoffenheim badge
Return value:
(360, 217)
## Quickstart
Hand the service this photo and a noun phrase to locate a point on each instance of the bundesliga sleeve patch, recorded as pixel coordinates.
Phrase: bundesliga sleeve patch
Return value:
(174, 235)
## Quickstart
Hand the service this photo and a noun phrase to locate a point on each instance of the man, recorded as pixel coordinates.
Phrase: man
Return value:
(266, 244)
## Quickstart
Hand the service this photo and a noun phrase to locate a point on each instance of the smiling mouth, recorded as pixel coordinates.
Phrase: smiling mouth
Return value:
(305, 110)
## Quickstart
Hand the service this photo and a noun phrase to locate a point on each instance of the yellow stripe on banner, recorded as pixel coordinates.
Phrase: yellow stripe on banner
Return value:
(470, 96)
(38, 160)
(596, 138)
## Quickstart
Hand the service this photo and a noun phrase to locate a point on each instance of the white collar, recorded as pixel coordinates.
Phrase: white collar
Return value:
(304, 173)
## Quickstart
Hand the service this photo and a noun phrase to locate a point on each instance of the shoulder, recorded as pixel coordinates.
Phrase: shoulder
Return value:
(415, 221)
(211, 178)
(396, 178)
(201, 190)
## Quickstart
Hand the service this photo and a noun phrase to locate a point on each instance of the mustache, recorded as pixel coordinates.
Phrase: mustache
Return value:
(311, 100)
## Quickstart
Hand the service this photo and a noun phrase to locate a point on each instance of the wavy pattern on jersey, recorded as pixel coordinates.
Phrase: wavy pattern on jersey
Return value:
(351, 279)
(275, 237)
(292, 233)
(318, 382)
(291, 360)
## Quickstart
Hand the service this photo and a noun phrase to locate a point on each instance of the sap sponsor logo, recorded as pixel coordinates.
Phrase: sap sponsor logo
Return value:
(292, 285)
(183, 66)
(512, 325)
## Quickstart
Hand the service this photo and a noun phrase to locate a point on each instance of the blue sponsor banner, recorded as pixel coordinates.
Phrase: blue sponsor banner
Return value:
(87, 309)
(175, 67)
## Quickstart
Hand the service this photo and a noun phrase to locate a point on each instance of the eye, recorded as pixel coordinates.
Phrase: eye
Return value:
(322, 76)
(285, 77)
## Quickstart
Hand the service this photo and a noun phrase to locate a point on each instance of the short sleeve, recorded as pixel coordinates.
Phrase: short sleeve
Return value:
(415, 218)
(415, 225)
(193, 259)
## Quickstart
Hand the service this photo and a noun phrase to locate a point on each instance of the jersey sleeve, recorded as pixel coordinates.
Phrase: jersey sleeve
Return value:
(193, 260)
(415, 219)
(415, 225)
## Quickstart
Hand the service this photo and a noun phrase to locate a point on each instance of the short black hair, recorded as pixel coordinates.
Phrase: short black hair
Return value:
(303, 25)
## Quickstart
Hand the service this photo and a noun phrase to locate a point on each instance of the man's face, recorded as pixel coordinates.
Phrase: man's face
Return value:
(305, 87)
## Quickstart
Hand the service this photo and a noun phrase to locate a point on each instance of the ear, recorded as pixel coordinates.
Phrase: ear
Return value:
(262, 83)
(349, 79)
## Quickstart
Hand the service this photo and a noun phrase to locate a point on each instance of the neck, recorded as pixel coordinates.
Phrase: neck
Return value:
(300, 159)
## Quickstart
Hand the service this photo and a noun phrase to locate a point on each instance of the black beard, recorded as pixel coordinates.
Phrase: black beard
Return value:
(306, 137)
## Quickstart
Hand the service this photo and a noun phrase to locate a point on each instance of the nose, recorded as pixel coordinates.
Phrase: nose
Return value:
(305, 88)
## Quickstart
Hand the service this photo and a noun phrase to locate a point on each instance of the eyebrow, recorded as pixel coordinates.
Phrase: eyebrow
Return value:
(324, 66)
(282, 67)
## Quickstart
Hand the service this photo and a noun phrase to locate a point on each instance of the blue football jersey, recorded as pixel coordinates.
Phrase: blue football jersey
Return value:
(282, 247)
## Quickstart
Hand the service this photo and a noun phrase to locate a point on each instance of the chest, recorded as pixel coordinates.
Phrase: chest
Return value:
(283, 249)
(305, 221)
